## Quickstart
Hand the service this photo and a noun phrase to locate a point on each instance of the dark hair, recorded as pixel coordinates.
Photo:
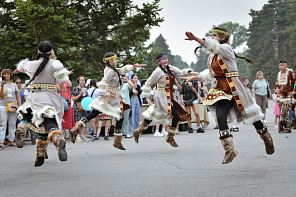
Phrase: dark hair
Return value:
(159, 56)
(167, 69)
(78, 79)
(93, 82)
(282, 61)
(133, 75)
(44, 50)
(15, 78)
(110, 54)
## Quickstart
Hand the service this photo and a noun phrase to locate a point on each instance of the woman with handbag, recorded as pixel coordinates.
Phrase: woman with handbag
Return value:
(261, 92)
(9, 101)
(190, 100)
(136, 104)
(78, 93)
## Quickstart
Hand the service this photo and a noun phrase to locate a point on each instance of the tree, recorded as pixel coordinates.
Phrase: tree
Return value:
(269, 38)
(81, 31)
(158, 46)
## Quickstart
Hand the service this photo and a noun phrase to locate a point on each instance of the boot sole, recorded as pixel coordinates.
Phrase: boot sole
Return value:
(72, 137)
(39, 161)
(120, 148)
(233, 155)
(62, 150)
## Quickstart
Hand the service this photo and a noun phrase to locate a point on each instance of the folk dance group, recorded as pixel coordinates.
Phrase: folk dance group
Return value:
(229, 100)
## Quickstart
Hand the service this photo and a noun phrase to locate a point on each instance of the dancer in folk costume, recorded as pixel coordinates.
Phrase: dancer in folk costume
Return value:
(109, 101)
(43, 110)
(165, 109)
(285, 86)
(230, 99)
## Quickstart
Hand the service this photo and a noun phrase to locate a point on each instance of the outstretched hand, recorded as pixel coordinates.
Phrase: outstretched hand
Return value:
(189, 35)
(187, 79)
(139, 65)
(16, 71)
(194, 73)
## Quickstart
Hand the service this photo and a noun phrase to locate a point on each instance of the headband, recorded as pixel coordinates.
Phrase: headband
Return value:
(49, 52)
(110, 58)
(164, 56)
(220, 32)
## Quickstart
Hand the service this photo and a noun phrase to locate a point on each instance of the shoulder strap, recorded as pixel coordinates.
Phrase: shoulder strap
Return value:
(93, 92)
(266, 83)
(5, 95)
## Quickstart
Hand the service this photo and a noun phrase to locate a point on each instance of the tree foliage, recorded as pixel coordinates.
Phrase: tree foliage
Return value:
(271, 37)
(81, 31)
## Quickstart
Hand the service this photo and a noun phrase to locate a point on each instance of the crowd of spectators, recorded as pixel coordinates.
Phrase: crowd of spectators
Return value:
(14, 91)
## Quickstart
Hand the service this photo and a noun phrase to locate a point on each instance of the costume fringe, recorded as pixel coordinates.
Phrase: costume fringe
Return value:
(99, 105)
(157, 117)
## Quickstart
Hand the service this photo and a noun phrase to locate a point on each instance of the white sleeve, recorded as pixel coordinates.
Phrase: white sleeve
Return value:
(60, 73)
(184, 72)
(125, 69)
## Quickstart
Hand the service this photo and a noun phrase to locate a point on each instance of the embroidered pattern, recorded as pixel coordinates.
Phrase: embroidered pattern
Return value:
(43, 86)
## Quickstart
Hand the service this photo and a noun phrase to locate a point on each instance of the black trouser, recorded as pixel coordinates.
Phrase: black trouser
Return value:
(94, 113)
(175, 120)
(49, 124)
(222, 109)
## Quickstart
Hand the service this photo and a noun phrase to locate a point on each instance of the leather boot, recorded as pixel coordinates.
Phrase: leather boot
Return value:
(117, 142)
(170, 138)
(287, 126)
(34, 136)
(41, 149)
(56, 137)
(138, 131)
(266, 137)
(281, 127)
(78, 127)
(20, 133)
(228, 145)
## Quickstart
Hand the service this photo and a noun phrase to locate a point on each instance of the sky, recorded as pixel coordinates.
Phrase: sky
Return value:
(198, 16)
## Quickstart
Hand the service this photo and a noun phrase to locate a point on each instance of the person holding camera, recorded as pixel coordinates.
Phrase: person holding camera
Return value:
(189, 98)
(9, 101)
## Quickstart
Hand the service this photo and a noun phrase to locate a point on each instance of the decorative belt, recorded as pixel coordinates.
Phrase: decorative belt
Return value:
(112, 88)
(160, 89)
(228, 74)
(43, 86)
(232, 74)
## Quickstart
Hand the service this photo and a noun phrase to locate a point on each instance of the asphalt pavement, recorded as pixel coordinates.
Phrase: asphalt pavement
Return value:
(154, 168)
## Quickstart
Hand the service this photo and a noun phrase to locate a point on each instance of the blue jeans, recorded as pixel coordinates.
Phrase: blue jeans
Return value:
(125, 123)
(134, 119)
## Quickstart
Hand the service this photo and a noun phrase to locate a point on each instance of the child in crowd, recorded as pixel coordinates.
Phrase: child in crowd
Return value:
(276, 111)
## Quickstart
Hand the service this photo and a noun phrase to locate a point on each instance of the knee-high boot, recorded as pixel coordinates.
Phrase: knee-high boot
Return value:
(136, 133)
(266, 137)
(20, 133)
(56, 137)
(228, 145)
(41, 152)
(117, 139)
(170, 137)
(78, 127)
